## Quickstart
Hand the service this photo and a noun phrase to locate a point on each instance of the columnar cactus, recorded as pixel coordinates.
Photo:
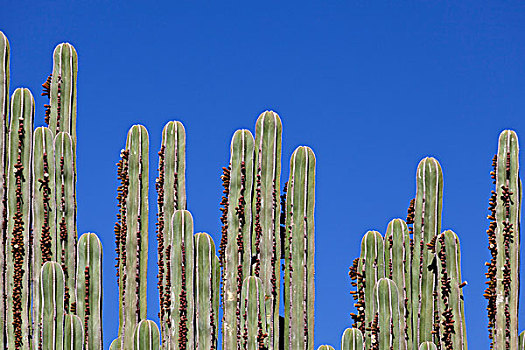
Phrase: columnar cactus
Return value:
(427, 346)
(299, 248)
(352, 340)
(52, 294)
(253, 320)
(18, 244)
(132, 232)
(146, 336)
(235, 250)
(325, 347)
(504, 242)
(171, 191)
(388, 325)
(73, 333)
(89, 289)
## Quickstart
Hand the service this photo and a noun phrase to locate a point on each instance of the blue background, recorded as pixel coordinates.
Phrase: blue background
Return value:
(372, 87)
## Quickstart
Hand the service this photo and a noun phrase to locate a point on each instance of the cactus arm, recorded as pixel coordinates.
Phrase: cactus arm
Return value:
(18, 254)
(73, 333)
(427, 346)
(52, 294)
(206, 333)
(146, 336)
(66, 212)
(63, 91)
(352, 340)
(89, 289)
(427, 225)
(325, 347)
(521, 341)
(505, 332)
(4, 114)
(171, 190)
(300, 321)
(390, 320)
(397, 263)
(115, 344)
(268, 131)
(236, 254)
(252, 311)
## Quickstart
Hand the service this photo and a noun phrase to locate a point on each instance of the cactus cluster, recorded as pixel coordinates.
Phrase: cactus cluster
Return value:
(407, 284)
(51, 281)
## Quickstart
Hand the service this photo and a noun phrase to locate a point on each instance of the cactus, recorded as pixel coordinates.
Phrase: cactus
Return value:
(388, 324)
(427, 346)
(352, 340)
(235, 250)
(73, 333)
(18, 245)
(299, 252)
(89, 289)
(325, 347)
(521, 341)
(146, 336)
(253, 320)
(132, 232)
(171, 191)
(52, 294)
(504, 241)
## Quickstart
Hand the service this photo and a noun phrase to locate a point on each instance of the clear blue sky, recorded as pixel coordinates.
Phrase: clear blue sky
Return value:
(371, 88)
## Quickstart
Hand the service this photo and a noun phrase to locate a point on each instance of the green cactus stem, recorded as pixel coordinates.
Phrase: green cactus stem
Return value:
(4, 114)
(44, 246)
(504, 241)
(390, 325)
(52, 294)
(146, 336)
(325, 347)
(115, 344)
(62, 91)
(66, 211)
(427, 346)
(453, 328)
(206, 292)
(397, 264)
(266, 245)
(253, 319)
(427, 225)
(89, 289)
(299, 248)
(235, 250)
(352, 340)
(171, 191)
(521, 341)
(132, 232)
(18, 245)
(73, 333)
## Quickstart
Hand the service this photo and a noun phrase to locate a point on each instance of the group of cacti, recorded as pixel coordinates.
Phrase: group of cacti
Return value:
(408, 285)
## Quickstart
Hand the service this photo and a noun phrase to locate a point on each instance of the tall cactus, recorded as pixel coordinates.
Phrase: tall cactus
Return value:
(146, 336)
(4, 116)
(253, 320)
(132, 232)
(73, 333)
(325, 347)
(388, 324)
(52, 293)
(171, 191)
(504, 243)
(266, 245)
(427, 346)
(206, 293)
(299, 252)
(18, 245)
(89, 289)
(352, 340)
(235, 250)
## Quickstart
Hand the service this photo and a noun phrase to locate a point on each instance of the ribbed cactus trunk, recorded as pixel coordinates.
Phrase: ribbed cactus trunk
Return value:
(73, 333)
(132, 233)
(207, 293)
(427, 346)
(427, 225)
(388, 325)
(4, 117)
(235, 249)
(504, 243)
(52, 293)
(325, 347)
(253, 320)
(19, 240)
(146, 336)
(89, 289)
(266, 243)
(352, 340)
(171, 191)
(299, 252)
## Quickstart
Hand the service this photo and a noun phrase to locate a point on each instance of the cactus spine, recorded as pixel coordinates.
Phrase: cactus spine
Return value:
(299, 251)
(132, 232)
(504, 242)
(18, 245)
(352, 340)
(146, 336)
(89, 289)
